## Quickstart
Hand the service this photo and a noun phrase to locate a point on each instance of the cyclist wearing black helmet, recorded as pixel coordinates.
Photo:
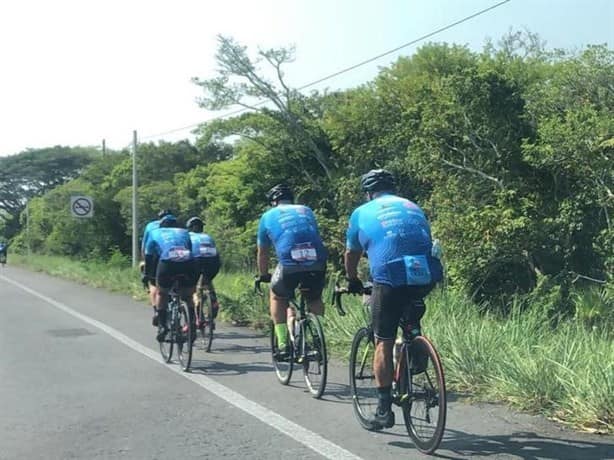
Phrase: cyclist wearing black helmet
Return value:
(396, 237)
(293, 231)
(207, 259)
(150, 281)
(168, 258)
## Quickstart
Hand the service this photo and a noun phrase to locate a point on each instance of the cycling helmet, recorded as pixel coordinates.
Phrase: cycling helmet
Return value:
(195, 222)
(164, 212)
(377, 180)
(280, 192)
(168, 221)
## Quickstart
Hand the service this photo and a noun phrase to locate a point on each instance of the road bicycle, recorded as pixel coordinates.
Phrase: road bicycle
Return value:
(205, 323)
(308, 347)
(180, 329)
(418, 381)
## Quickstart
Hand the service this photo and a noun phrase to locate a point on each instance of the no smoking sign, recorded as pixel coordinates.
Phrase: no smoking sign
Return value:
(81, 206)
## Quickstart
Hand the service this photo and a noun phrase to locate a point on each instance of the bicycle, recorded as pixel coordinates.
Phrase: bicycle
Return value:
(2, 259)
(180, 329)
(418, 381)
(308, 347)
(205, 323)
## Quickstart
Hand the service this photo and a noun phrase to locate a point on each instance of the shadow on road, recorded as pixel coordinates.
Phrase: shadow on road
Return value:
(211, 368)
(521, 445)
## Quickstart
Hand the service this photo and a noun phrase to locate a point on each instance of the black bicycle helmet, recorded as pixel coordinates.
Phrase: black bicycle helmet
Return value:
(164, 212)
(280, 192)
(195, 222)
(168, 220)
(377, 180)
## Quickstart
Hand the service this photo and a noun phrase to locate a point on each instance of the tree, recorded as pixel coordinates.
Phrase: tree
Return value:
(34, 172)
(239, 82)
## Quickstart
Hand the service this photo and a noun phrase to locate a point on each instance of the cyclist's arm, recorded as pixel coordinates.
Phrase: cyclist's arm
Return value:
(351, 263)
(353, 247)
(263, 260)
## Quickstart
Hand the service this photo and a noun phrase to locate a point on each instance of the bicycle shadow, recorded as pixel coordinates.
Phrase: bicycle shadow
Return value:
(217, 368)
(521, 445)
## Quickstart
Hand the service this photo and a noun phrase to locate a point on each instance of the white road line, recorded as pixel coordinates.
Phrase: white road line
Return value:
(306, 437)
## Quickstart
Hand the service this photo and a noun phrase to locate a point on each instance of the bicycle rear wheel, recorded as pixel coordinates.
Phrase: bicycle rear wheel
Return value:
(209, 323)
(283, 369)
(362, 378)
(167, 345)
(315, 359)
(425, 405)
(186, 333)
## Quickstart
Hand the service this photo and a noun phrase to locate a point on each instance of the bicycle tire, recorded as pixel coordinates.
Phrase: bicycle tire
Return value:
(166, 346)
(283, 369)
(210, 325)
(362, 378)
(313, 348)
(423, 396)
(185, 334)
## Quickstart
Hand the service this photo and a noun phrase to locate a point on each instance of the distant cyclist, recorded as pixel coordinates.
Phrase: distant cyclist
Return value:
(148, 281)
(207, 260)
(168, 257)
(293, 231)
(3, 251)
(396, 237)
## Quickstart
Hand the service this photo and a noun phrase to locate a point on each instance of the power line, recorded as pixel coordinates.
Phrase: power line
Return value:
(342, 71)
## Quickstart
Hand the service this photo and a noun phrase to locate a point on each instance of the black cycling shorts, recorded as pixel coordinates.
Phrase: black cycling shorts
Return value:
(184, 272)
(207, 266)
(286, 279)
(389, 305)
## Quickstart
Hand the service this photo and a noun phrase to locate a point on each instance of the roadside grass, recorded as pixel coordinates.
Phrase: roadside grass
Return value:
(564, 372)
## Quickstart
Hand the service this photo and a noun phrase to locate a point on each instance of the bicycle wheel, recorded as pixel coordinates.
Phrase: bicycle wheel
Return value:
(315, 359)
(283, 369)
(186, 334)
(210, 324)
(166, 346)
(423, 388)
(200, 321)
(362, 378)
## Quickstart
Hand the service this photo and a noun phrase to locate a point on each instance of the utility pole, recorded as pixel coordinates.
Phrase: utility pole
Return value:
(135, 238)
(104, 147)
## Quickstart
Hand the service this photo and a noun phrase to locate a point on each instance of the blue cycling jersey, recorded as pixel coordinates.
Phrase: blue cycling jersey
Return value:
(396, 236)
(202, 245)
(169, 244)
(293, 230)
(148, 228)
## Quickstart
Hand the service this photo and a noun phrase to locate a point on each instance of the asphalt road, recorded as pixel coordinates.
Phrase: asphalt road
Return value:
(81, 377)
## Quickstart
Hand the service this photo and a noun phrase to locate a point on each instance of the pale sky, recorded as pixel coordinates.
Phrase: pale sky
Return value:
(74, 72)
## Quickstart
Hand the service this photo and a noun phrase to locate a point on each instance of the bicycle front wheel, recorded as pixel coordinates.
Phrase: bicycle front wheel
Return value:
(167, 345)
(362, 378)
(315, 359)
(186, 333)
(283, 368)
(423, 393)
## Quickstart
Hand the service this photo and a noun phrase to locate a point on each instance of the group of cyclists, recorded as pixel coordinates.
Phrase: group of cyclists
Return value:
(393, 232)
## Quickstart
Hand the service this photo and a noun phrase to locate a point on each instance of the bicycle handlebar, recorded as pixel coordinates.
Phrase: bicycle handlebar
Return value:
(339, 291)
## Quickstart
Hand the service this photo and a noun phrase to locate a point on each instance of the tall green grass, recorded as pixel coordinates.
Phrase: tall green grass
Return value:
(564, 372)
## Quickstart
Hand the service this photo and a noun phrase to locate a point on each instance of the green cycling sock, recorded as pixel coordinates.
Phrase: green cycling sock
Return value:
(281, 332)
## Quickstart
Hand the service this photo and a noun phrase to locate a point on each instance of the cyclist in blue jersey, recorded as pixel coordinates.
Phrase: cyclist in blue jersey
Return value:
(148, 281)
(168, 257)
(396, 237)
(207, 260)
(293, 231)
(3, 250)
